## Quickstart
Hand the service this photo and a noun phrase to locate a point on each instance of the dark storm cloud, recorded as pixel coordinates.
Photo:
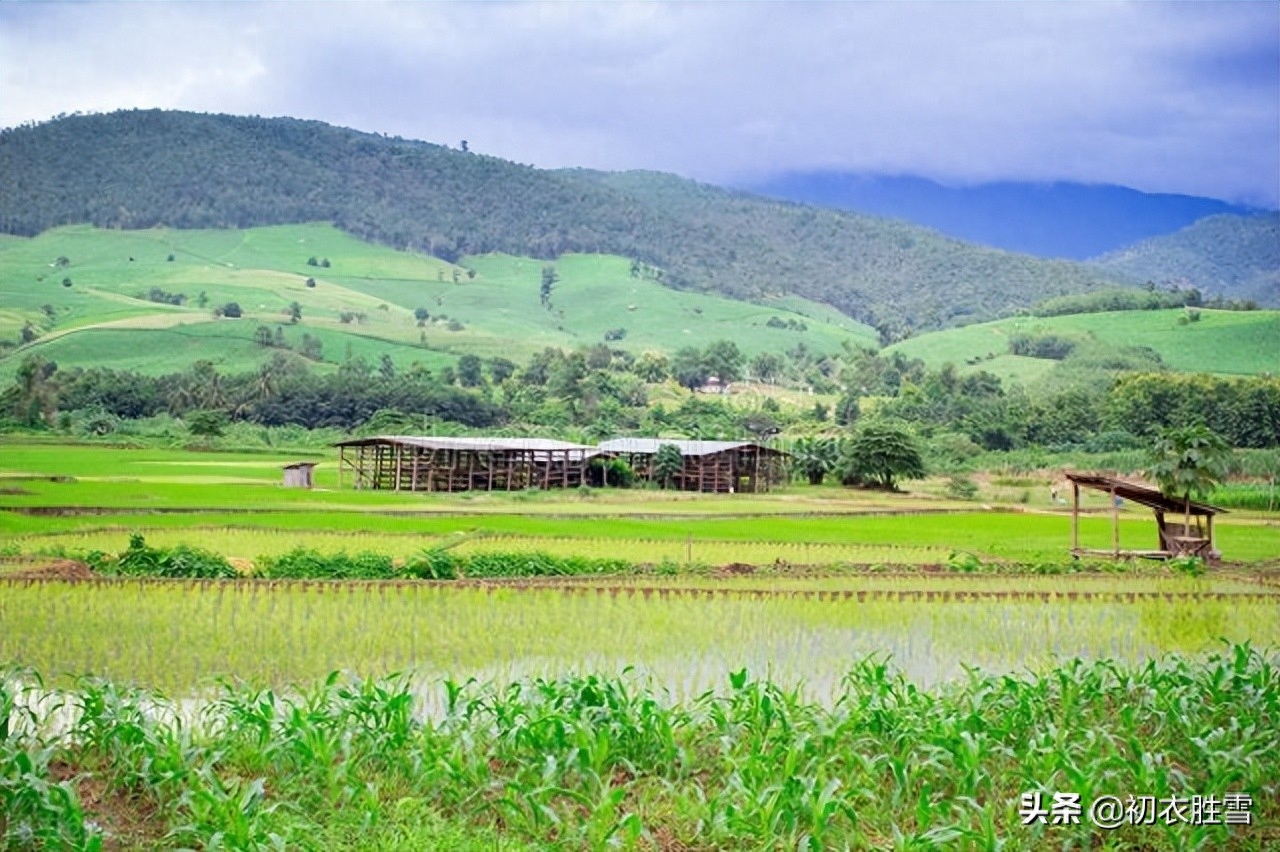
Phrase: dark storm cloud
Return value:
(1165, 97)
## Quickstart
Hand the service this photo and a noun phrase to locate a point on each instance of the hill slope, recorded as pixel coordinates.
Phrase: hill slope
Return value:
(490, 305)
(1063, 220)
(1236, 256)
(1229, 342)
(143, 169)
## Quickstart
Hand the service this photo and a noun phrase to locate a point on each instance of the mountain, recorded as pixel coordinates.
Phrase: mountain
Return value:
(1235, 256)
(1061, 220)
(140, 169)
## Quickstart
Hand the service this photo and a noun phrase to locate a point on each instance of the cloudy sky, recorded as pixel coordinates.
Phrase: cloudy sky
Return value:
(1181, 97)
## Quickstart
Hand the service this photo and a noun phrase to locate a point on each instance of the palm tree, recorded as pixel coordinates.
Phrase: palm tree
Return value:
(1186, 461)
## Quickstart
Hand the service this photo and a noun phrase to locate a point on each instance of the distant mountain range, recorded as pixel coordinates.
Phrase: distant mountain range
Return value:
(1060, 220)
(137, 169)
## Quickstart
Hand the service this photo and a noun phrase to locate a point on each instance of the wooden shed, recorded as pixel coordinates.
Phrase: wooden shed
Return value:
(1175, 538)
(298, 474)
(711, 466)
(426, 463)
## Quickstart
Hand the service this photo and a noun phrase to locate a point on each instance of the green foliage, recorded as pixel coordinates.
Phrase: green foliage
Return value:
(180, 562)
(880, 454)
(207, 423)
(668, 461)
(1189, 461)
(814, 458)
(305, 564)
(961, 488)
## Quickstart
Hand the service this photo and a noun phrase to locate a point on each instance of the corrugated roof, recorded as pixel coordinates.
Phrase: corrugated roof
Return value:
(687, 448)
(485, 444)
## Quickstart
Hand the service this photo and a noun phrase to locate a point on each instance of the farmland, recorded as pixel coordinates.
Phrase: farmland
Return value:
(1229, 342)
(814, 667)
(487, 305)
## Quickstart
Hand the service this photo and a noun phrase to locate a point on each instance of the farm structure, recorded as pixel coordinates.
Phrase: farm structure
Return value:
(414, 463)
(1174, 539)
(298, 474)
(711, 466)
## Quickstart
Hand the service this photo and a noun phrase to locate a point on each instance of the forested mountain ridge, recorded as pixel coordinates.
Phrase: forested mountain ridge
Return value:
(139, 169)
(1235, 256)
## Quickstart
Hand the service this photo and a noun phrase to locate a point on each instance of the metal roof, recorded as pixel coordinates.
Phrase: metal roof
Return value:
(430, 442)
(1141, 494)
(686, 448)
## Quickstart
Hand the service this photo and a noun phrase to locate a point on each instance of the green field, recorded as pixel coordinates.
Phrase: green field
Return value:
(105, 318)
(1230, 342)
(803, 669)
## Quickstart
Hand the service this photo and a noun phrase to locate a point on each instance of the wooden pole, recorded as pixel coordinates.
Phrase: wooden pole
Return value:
(399, 457)
(342, 459)
(1115, 524)
(1075, 516)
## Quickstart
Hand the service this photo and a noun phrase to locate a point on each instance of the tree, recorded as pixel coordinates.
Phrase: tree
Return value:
(724, 360)
(295, 312)
(766, 366)
(549, 279)
(206, 423)
(501, 369)
(1188, 460)
(470, 372)
(880, 454)
(421, 315)
(386, 367)
(667, 463)
(232, 310)
(312, 261)
(815, 457)
(689, 368)
(311, 283)
(66, 282)
(263, 336)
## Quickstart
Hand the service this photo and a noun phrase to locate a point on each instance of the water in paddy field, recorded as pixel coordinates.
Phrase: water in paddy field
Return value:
(180, 639)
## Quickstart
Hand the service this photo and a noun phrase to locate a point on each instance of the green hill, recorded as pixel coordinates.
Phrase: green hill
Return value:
(144, 169)
(488, 305)
(1230, 342)
(1235, 256)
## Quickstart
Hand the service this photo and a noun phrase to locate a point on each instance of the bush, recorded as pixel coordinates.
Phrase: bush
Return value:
(961, 488)
(182, 561)
(305, 564)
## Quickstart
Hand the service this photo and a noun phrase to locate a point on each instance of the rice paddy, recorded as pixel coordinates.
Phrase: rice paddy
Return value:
(814, 669)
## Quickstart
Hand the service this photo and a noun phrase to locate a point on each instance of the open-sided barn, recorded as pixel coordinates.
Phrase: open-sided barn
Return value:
(413, 463)
(712, 466)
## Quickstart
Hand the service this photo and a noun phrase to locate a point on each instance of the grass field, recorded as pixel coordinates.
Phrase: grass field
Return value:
(1232, 342)
(105, 317)
(697, 704)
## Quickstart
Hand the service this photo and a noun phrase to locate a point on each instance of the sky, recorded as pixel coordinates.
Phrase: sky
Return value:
(1161, 97)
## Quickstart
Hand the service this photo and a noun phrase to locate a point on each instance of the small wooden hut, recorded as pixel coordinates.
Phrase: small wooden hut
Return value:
(710, 466)
(298, 474)
(426, 463)
(1175, 538)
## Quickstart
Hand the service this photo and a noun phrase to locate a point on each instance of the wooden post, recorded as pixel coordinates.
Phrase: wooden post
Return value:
(1209, 521)
(1075, 516)
(399, 457)
(1115, 524)
(342, 459)
(415, 455)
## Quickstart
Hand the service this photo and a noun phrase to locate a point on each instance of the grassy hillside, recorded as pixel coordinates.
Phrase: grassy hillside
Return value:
(488, 305)
(185, 170)
(1220, 342)
(1236, 256)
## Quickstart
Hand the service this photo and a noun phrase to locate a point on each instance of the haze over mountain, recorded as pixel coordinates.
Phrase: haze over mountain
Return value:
(1060, 220)
(138, 169)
